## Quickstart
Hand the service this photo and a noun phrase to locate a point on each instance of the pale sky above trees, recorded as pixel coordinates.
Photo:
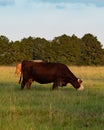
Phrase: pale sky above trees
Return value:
(51, 18)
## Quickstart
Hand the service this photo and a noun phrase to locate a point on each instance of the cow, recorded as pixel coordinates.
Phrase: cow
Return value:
(48, 72)
(18, 69)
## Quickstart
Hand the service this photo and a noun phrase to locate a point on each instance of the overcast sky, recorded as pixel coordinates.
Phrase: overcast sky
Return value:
(51, 18)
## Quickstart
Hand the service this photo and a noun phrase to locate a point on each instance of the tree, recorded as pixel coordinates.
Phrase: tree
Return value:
(67, 49)
(70, 50)
(4, 49)
(92, 54)
(39, 48)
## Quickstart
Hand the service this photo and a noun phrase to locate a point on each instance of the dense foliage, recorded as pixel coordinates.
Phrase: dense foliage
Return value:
(70, 50)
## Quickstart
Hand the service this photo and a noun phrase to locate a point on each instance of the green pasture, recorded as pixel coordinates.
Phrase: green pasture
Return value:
(43, 109)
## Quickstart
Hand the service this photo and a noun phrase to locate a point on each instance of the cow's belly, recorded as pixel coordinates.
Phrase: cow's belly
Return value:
(43, 79)
(46, 76)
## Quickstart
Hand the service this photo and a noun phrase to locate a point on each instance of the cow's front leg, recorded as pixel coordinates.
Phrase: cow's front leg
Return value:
(55, 86)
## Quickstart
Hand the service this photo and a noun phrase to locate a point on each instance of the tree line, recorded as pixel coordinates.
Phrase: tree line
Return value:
(70, 50)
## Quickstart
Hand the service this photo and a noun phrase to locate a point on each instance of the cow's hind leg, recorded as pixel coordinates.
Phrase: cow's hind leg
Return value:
(28, 84)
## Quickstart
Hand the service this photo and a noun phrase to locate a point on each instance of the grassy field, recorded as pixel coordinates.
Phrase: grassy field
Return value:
(43, 109)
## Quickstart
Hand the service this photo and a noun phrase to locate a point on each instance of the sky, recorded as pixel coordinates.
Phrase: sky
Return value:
(51, 18)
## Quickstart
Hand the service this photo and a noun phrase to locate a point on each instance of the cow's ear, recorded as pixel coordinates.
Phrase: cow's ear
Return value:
(79, 80)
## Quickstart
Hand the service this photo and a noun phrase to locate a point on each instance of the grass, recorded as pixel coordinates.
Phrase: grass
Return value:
(43, 109)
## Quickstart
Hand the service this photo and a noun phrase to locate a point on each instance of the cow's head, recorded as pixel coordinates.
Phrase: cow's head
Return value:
(77, 83)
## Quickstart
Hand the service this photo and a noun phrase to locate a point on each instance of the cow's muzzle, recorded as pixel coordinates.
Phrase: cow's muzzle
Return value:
(81, 87)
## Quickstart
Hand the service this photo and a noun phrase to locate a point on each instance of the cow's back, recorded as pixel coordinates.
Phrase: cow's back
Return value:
(44, 67)
(47, 67)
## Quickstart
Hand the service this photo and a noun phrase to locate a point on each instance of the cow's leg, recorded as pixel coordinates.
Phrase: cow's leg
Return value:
(60, 82)
(28, 84)
(55, 85)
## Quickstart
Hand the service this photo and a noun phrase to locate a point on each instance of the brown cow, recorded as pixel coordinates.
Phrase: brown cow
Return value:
(18, 69)
(43, 73)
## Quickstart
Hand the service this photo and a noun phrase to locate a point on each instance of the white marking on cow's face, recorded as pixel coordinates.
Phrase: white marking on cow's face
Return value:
(81, 86)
